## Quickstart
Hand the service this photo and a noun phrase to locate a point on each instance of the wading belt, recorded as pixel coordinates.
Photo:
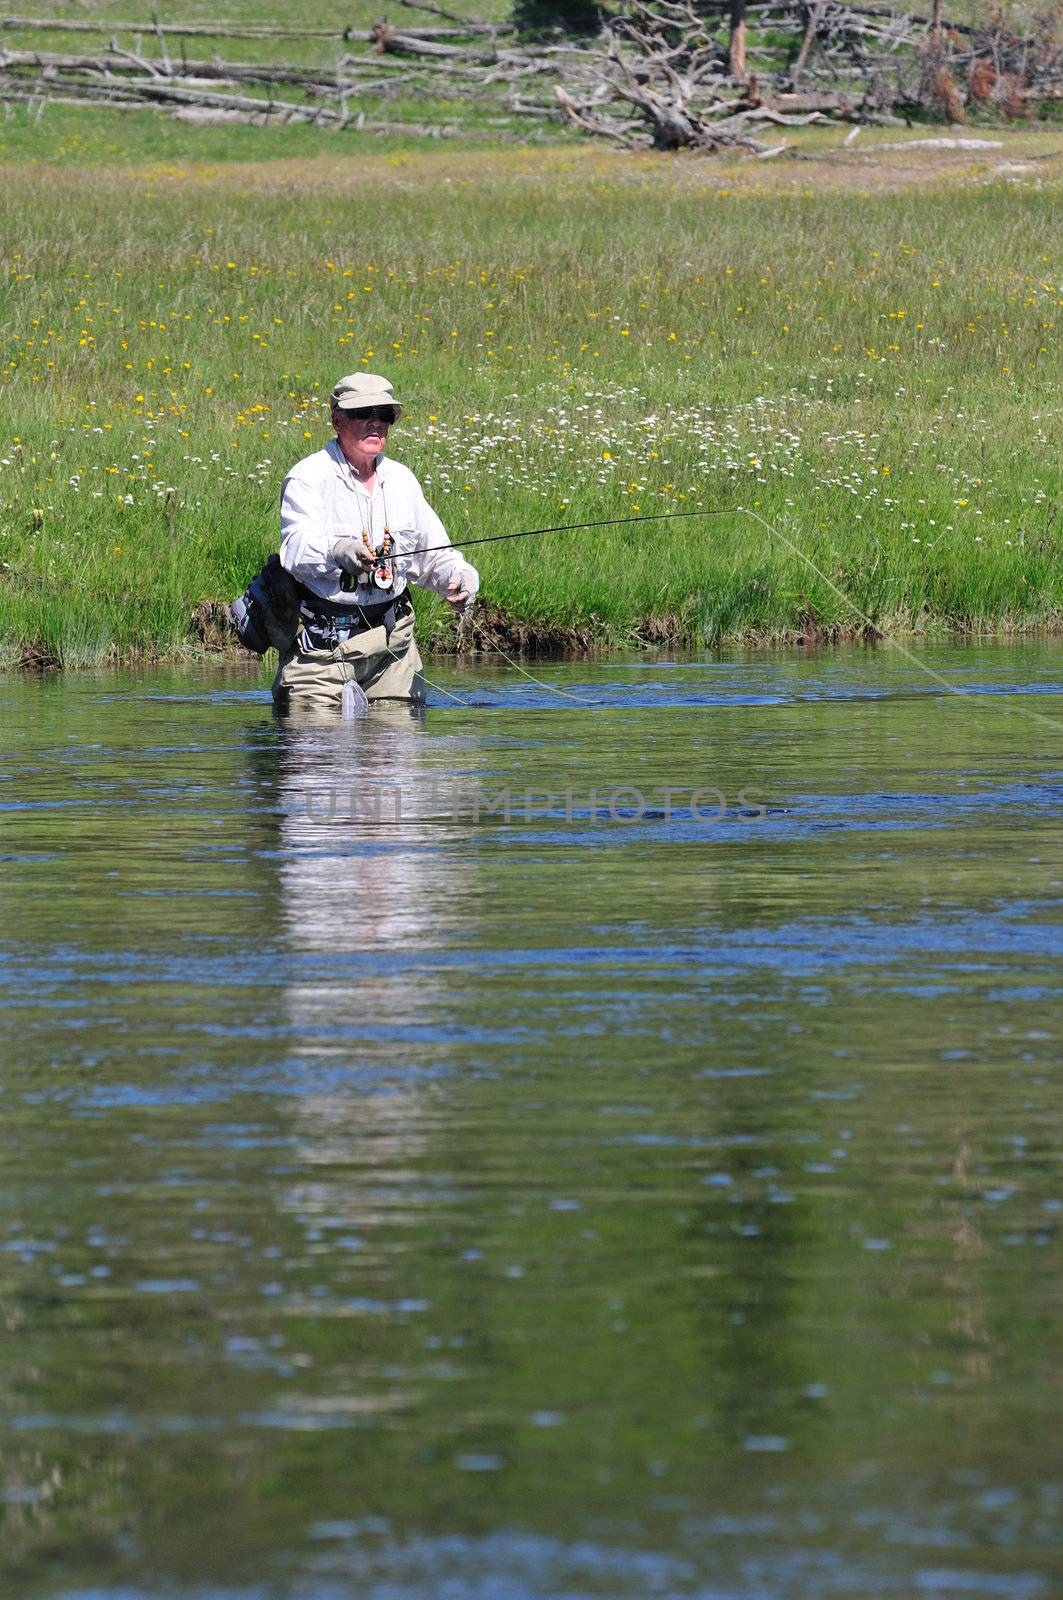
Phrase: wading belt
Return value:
(328, 625)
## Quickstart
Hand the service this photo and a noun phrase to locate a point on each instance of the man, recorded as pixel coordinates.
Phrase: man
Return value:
(355, 530)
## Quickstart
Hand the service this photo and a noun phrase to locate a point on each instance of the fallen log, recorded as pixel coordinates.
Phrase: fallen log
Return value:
(250, 111)
(402, 42)
(353, 74)
(940, 144)
(845, 105)
(236, 30)
(150, 92)
(126, 62)
(767, 114)
(41, 97)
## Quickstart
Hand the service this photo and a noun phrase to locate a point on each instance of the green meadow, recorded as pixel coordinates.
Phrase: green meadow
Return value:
(849, 368)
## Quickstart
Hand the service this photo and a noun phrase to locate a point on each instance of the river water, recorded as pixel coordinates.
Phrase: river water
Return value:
(599, 1138)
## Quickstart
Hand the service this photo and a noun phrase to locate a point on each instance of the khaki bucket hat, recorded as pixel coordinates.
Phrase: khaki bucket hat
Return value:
(362, 389)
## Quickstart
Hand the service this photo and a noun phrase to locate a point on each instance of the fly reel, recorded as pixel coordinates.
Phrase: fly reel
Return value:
(381, 575)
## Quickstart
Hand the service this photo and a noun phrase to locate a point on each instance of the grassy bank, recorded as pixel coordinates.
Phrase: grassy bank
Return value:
(867, 355)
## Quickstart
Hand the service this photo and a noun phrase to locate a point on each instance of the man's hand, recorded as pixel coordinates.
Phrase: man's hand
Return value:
(462, 590)
(356, 557)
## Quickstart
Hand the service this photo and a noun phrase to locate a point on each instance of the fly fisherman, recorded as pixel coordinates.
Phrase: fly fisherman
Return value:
(355, 530)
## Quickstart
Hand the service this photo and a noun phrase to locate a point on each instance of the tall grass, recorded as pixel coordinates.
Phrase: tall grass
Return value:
(876, 374)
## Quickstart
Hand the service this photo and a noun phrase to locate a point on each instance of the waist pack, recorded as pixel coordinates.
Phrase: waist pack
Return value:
(267, 613)
(327, 627)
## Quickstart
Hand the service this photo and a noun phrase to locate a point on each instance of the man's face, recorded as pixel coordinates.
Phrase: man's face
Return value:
(362, 433)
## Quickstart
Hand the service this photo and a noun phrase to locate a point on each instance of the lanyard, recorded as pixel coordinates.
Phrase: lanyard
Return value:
(383, 574)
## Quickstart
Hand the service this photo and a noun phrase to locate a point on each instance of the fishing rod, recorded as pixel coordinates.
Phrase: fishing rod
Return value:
(382, 575)
(573, 527)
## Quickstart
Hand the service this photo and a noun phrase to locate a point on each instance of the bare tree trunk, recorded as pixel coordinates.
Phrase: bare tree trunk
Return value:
(736, 49)
(814, 17)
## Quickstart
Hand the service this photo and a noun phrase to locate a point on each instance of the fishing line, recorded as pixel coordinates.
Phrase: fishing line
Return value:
(666, 516)
(533, 533)
(580, 699)
(1037, 716)
(439, 689)
(718, 511)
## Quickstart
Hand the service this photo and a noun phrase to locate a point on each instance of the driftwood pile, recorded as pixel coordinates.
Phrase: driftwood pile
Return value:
(154, 68)
(663, 75)
(666, 73)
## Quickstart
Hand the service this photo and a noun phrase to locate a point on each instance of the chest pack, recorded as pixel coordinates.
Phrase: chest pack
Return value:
(266, 616)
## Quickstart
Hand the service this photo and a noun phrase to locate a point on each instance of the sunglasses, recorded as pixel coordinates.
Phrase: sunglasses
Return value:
(385, 414)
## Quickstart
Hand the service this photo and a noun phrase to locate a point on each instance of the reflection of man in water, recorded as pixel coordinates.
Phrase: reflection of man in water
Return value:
(355, 529)
(360, 907)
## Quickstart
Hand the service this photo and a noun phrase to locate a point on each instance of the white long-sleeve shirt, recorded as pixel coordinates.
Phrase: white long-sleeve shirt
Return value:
(323, 501)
